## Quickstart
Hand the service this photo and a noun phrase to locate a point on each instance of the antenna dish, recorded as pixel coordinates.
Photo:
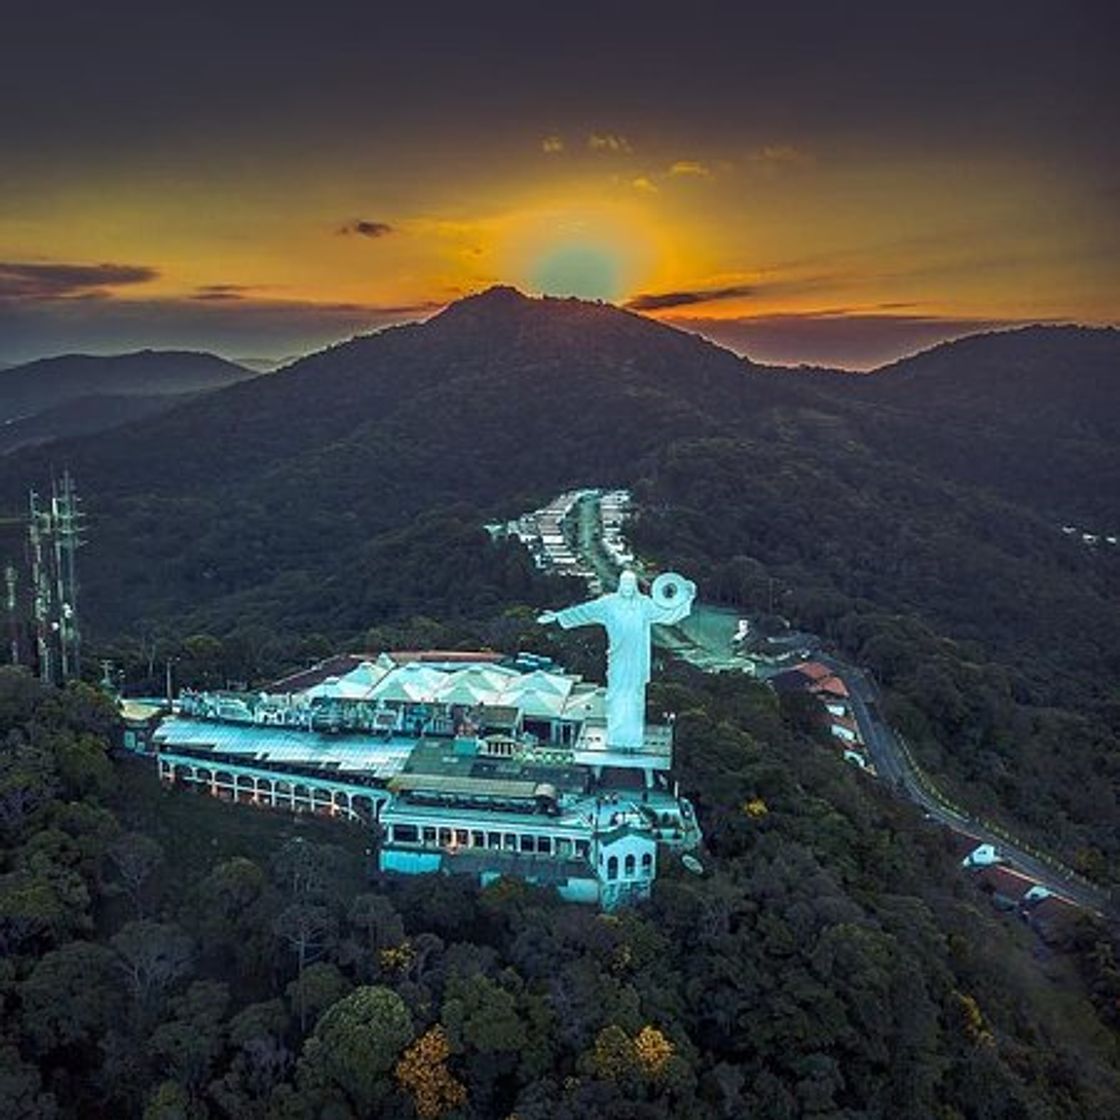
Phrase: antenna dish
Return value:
(668, 589)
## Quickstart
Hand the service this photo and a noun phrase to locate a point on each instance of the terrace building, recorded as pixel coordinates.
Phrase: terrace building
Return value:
(462, 764)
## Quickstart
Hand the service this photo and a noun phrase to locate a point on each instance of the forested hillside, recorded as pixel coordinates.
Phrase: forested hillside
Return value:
(1032, 414)
(73, 394)
(831, 962)
(168, 955)
(913, 516)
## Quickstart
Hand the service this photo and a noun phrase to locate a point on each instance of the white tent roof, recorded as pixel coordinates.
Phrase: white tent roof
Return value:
(414, 683)
(540, 693)
(541, 682)
(367, 673)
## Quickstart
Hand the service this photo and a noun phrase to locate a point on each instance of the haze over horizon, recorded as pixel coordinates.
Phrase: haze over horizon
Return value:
(815, 186)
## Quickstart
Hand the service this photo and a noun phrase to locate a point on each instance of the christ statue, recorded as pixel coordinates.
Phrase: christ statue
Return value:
(627, 615)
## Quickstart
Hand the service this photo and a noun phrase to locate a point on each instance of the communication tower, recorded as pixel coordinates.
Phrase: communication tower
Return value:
(10, 583)
(54, 536)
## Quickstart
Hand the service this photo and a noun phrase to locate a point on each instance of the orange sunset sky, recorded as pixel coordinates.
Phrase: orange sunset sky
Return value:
(810, 185)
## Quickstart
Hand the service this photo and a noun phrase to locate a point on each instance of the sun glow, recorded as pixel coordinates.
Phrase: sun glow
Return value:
(594, 250)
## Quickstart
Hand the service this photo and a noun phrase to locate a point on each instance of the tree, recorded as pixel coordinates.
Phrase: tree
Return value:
(232, 915)
(260, 1062)
(28, 781)
(171, 1101)
(189, 1042)
(315, 989)
(308, 929)
(135, 857)
(375, 919)
(83, 766)
(22, 1096)
(481, 1015)
(313, 872)
(151, 956)
(42, 903)
(422, 1072)
(71, 996)
(355, 1045)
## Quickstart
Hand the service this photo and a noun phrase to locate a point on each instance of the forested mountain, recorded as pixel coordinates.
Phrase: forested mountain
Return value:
(77, 393)
(346, 492)
(830, 964)
(495, 401)
(1033, 414)
(79, 416)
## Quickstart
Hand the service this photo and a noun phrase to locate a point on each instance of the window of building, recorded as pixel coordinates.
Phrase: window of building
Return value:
(494, 840)
(405, 833)
(478, 839)
(612, 867)
(583, 848)
(511, 842)
(631, 866)
(445, 837)
(429, 835)
(563, 847)
(647, 864)
(527, 844)
(462, 837)
(544, 845)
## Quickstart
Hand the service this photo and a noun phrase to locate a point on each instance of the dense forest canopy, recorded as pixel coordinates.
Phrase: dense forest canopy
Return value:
(831, 962)
(168, 955)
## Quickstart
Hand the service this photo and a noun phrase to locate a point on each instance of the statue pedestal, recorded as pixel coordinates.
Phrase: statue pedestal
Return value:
(655, 753)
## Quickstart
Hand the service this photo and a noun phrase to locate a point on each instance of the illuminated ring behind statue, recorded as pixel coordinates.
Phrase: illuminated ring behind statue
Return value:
(669, 589)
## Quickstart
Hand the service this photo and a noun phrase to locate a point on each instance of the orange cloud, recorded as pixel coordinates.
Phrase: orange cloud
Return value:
(608, 142)
(777, 157)
(690, 167)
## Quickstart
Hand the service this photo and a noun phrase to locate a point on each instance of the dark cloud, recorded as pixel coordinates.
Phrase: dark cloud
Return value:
(364, 228)
(19, 281)
(838, 337)
(219, 292)
(663, 301)
(241, 324)
(660, 301)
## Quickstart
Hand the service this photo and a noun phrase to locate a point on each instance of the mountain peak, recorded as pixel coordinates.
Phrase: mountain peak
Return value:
(499, 299)
(499, 294)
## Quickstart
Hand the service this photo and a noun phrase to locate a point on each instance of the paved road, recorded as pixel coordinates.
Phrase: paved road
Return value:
(589, 544)
(894, 766)
(704, 639)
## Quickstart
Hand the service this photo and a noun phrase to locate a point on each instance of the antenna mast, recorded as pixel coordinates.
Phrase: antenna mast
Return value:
(66, 524)
(10, 578)
(54, 536)
(39, 526)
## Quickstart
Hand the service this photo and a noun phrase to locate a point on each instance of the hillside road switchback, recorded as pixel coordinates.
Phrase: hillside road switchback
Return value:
(704, 640)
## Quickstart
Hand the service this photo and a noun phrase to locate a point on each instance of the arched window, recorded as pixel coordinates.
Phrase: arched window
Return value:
(630, 866)
(612, 867)
(647, 864)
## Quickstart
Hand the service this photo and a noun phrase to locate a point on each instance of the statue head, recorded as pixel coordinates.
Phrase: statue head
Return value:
(628, 585)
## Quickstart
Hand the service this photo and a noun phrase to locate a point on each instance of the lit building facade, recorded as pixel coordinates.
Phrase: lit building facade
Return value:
(462, 764)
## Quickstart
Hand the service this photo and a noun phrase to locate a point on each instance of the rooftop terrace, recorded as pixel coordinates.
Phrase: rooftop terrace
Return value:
(369, 755)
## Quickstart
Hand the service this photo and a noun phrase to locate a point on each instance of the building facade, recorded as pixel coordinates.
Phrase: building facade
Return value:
(460, 765)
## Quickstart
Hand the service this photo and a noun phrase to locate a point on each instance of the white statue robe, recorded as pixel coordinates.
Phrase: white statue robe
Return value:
(627, 620)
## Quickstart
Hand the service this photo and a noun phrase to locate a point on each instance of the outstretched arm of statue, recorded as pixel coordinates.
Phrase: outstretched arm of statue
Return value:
(582, 614)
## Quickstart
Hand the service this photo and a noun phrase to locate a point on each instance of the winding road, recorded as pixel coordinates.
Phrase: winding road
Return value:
(704, 640)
